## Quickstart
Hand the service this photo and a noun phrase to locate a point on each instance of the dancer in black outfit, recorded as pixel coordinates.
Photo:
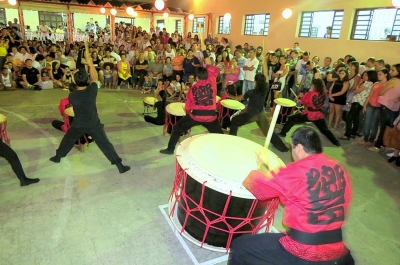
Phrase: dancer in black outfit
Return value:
(160, 106)
(254, 112)
(12, 158)
(86, 119)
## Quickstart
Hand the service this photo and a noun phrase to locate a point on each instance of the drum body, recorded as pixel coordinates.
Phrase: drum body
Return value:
(149, 101)
(208, 202)
(174, 112)
(286, 110)
(228, 108)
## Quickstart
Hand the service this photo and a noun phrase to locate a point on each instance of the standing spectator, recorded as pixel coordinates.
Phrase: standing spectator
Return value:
(250, 69)
(189, 65)
(16, 25)
(260, 58)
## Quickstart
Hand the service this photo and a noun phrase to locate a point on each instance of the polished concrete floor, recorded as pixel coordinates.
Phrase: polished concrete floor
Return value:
(84, 212)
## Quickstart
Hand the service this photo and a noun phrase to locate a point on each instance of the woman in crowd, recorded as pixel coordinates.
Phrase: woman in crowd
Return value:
(124, 71)
(232, 72)
(371, 108)
(167, 69)
(389, 98)
(337, 97)
(140, 71)
(361, 93)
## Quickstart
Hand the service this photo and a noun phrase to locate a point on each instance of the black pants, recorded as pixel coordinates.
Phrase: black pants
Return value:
(12, 158)
(185, 124)
(385, 115)
(321, 125)
(98, 135)
(156, 120)
(353, 119)
(140, 75)
(265, 249)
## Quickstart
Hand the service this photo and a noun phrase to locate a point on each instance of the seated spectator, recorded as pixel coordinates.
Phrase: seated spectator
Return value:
(167, 70)
(31, 78)
(124, 72)
(147, 84)
(7, 80)
(155, 71)
(140, 71)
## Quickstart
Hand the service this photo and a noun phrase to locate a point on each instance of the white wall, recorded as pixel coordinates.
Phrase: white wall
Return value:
(31, 18)
(11, 13)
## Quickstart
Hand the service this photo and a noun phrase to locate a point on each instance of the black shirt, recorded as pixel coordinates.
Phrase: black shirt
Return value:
(144, 71)
(84, 103)
(256, 101)
(31, 74)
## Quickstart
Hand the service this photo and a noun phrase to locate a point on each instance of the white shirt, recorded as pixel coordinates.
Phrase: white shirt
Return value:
(299, 65)
(170, 54)
(249, 75)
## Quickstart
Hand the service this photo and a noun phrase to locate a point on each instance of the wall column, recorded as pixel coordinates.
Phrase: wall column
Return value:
(21, 21)
(112, 28)
(70, 26)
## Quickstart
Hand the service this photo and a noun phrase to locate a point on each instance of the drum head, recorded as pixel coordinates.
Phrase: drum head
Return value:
(150, 100)
(176, 108)
(222, 161)
(285, 102)
(2, 118)
(232, 104)
(70, 111)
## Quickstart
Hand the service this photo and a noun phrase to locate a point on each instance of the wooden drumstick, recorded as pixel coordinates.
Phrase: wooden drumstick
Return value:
(294, 94)
(272, 125)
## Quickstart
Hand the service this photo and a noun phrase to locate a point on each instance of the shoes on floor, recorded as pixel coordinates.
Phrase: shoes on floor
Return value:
(376, 149)
(393, 159)
(166, 152)
(390, 154)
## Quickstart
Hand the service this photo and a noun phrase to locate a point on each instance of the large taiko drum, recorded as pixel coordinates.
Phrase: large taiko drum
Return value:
(208, 203)
(3, 129)
(174, 112)
(228, 108)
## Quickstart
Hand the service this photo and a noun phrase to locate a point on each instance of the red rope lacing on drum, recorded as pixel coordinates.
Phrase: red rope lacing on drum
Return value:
(178, 192)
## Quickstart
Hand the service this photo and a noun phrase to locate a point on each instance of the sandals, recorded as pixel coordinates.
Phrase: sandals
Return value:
(344, 138)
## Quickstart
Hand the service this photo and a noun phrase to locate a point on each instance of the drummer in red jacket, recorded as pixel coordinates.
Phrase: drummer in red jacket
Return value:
(316, 193)
(200, 105)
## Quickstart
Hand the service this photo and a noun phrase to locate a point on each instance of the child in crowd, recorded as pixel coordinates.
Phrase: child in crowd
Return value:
(46, 82)
(147, 84)
(108, 76)
(6, 79)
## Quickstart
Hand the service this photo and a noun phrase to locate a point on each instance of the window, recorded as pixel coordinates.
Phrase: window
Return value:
(178, 26)
(199, 22)
(224, 26)
(51, 19)
(321, 24)
(256, 24)
(161, 23)
(3, 18)
(376, 24)
(127, 21)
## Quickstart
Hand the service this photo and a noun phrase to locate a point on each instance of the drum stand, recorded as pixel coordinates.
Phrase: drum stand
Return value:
(146, 110)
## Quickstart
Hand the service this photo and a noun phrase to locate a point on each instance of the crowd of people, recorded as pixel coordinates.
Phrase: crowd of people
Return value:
(362, 95)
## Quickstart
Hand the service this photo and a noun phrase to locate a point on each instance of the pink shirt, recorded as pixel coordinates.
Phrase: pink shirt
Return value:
(388, 98)
(373, 98)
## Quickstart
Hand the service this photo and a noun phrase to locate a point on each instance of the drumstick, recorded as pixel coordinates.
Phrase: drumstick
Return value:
(272, 125)
(294, 94)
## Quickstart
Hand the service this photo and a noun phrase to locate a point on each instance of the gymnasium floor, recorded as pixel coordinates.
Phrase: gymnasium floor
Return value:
(84, 212)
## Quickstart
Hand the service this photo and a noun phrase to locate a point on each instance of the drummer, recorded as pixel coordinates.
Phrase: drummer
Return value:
(160, 106)
(200, 105)
(254, 111)
(316, 193)
(314, 112)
